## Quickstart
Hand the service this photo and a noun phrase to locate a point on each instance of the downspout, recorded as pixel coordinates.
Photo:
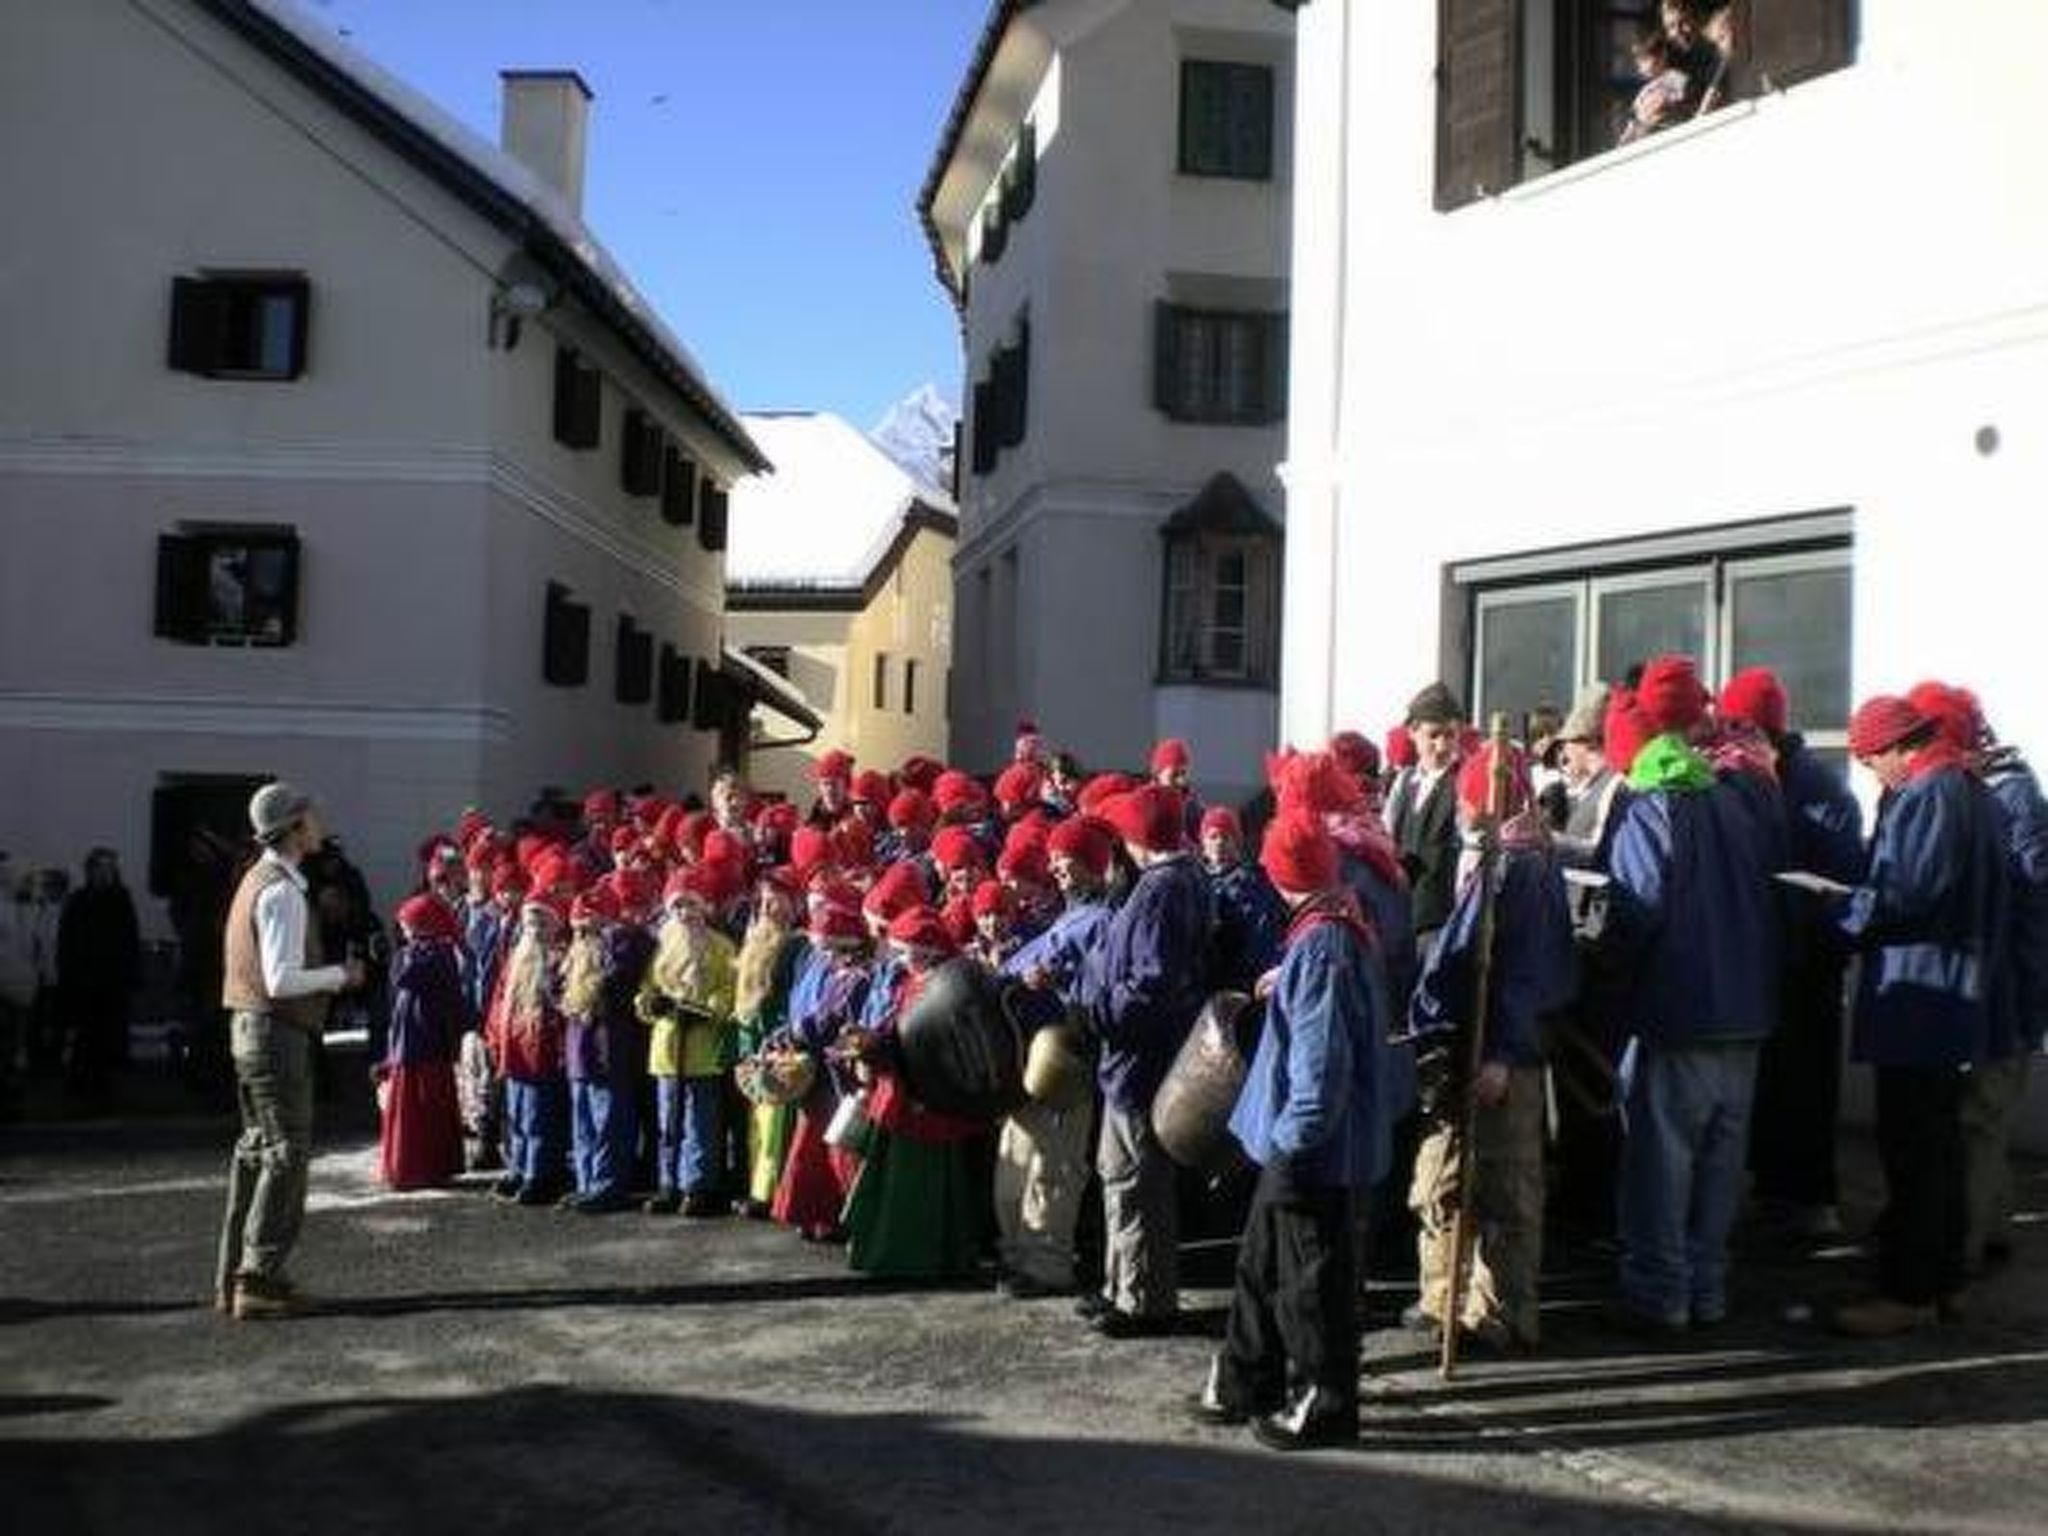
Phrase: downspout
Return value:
(1335, 462)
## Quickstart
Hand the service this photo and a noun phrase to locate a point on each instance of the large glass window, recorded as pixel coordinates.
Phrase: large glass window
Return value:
(1528, 650)
(1637, 617)
(1792, 614)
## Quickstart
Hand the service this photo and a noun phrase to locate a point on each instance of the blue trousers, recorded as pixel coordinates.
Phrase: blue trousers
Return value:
(1682, 1169)
(691, 1114)
(604, 1120)
(537, 1121)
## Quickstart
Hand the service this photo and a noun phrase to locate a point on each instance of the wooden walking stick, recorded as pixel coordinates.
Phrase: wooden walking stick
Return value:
(1464, 1186)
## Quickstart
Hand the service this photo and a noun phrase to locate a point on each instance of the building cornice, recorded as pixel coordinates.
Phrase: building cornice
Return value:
(341, 719)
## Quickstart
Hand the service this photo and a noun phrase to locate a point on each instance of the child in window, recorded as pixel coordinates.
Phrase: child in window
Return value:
(1661, 100)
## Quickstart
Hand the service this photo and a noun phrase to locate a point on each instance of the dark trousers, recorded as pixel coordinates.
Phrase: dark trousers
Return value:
(1799, 1094)
(1293, 1317)
(1920, 1141)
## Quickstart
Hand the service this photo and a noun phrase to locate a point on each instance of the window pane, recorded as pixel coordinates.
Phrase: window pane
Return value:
(1637, 623)
(275, 328)
(1230, 607)
(1797, 624)
(1227, 649)
(1527, 651)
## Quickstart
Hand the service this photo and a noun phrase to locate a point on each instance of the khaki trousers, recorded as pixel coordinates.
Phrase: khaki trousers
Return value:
(1041, 1170)
(267, 1173)
(1507, 1195)
(1141, 1269)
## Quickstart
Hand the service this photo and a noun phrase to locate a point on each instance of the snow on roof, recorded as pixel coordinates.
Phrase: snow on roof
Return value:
(507, 176)
(828, 513)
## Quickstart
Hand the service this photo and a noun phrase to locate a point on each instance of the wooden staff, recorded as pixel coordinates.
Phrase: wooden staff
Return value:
(1465, 1184)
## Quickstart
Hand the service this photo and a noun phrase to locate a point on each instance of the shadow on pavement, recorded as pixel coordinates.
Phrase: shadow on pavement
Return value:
(552, 1459)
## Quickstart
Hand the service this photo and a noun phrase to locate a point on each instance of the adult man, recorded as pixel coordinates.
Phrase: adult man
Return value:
(1799, 1073)
(1310, 1117)
(1593, 787)
(1422, 809)
(277, 993)
(1141, 993)
(99, 966)
(1931, 918)
(1693, 917)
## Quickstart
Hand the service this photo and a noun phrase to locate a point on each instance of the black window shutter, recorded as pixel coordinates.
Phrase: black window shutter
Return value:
(673, 704)
(640, 449)
(300, 292)
(198, 318)
(1793, 40)
(565, 639)
(678, 488)
(708, 706)
(1010, 376)
(984, 426)
(713, 509)
(1273, 346)
(1020, 182)
(1166, 360)
(633, 663)
(1477, 113)
(180, 588)
(995, 234)
(579, 398)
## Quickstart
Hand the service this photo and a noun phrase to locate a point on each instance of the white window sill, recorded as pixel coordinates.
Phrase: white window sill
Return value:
(1624, 154)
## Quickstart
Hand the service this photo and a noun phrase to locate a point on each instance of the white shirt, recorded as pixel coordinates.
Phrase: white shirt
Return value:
(281, 938)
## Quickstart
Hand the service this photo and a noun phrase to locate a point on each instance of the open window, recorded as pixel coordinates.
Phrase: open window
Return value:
(1221, 366)
(228, 584)
(565, 639)
(1221, 620)
(632, 663)
(579, 399)
(240, 325)
(1525, 87)
(678, 488)
(641, 444)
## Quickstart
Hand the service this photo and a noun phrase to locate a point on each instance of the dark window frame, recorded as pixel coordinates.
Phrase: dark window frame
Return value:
(579, 400)
(642, 443)
(910, 685)
(881, 681)
(714, 512)
(194, 588)
(1228, 113)
(673, 691)
(1206, 390)
(565, 639)
(678, 487)
(1194, 562)
(632, 662)
(217, 318)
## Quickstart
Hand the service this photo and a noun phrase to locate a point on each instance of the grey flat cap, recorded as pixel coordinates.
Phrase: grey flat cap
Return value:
(274, 807)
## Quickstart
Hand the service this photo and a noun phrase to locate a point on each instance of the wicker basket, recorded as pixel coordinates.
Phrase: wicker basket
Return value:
(775, 1077)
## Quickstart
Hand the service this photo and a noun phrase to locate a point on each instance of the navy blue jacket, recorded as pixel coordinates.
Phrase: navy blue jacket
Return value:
(1062, 951)
(1932, 919)
(1312, 1096)
(1144, 983)
(1693, 915)
(1248, 926)
(2018, 793)
(1534, 964)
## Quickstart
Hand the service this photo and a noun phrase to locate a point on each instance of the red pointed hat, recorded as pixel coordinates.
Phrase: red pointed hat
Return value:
(992, 896)
(910, 808)
(833, 765)
(957, 848)
(1671, 695)
(900, 888)
(1084, 840)
(921, 928)
(1400, 747)
(1624, 731)
(871, 787)
(1018, 785)
(1151, 817)
(956, 791)
(596, 905)
(1298, 855)
(1355, 754)
(1955, 711)
(1755, 697)
(1103, 787)
(427, 916)
(1313, 782)
(1882, 722)
(1170, 753)
(1027, 863)
(1475, 781)
(1222, 819)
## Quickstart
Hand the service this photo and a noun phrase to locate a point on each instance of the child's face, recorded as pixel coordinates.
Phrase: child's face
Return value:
(1219, 850)
(1679, 25)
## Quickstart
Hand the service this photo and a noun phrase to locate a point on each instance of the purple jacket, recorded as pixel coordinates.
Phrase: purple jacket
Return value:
(429, 1011)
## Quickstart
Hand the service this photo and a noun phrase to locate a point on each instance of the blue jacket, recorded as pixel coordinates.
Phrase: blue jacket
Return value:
(1063, 951)
(1693, 915)
(1248, 923)
(429, 1011)
(2018, 793)
(1824, 824)
(1143, 986)
(1932, 919)
(1313, 1094)
(1534, 964)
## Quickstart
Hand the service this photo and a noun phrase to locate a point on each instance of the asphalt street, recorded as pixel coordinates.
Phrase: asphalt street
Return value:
(488, 1368)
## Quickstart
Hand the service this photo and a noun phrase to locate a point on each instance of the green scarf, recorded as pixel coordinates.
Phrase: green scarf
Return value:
(1668, 762)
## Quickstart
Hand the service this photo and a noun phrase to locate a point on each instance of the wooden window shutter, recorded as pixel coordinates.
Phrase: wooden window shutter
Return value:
(1788, 41)
(995, 234)
(1010, 379)
(300, 292)
(984, 426)
(673, 704)
(180, 588)
(1166, 338)
(1020, 182)
(713, 509)
(678, 488)
(1273, 354)
(1477, 111)
(565, 639)
(633, 663)
(708, 706)
(198, 321)
(579, 400)
(640, 450)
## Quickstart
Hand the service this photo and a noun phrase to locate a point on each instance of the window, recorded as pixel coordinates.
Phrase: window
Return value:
(995, 234)
(641, 445)
(222, 584)
(1219, 365)
(672, 699)
(881, 680)
(632, 663)
(678, 488)
(909, 687)
(713, 508)
(774, 657)
(579, 400)
(240, 326)
(565, 639)
(1226, 120)
(1020, 176)
(716, 701)
(199, 835)
(1527, 86)
(1537, 642)
(1002, 402)
(1222, 590)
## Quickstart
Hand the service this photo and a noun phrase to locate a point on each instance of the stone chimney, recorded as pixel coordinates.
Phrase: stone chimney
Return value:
(546, 114)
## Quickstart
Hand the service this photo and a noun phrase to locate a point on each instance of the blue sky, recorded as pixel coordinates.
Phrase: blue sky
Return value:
(754, 166)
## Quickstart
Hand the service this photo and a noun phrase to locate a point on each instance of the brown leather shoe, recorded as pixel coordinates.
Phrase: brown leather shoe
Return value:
(1882, 1318)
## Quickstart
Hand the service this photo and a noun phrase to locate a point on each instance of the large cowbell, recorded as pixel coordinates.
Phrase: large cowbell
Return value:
(962, 1048)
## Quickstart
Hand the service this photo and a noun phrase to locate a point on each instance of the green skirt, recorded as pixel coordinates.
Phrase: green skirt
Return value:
(769, 1129)
(911, 1214)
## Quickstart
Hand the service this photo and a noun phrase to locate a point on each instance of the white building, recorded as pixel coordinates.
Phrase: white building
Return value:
(1109, 207)
(332, 446)
(1770, 386)
(840, 581)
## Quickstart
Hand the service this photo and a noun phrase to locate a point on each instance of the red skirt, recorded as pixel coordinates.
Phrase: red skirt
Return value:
(421, 1143)
(815, 1177)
